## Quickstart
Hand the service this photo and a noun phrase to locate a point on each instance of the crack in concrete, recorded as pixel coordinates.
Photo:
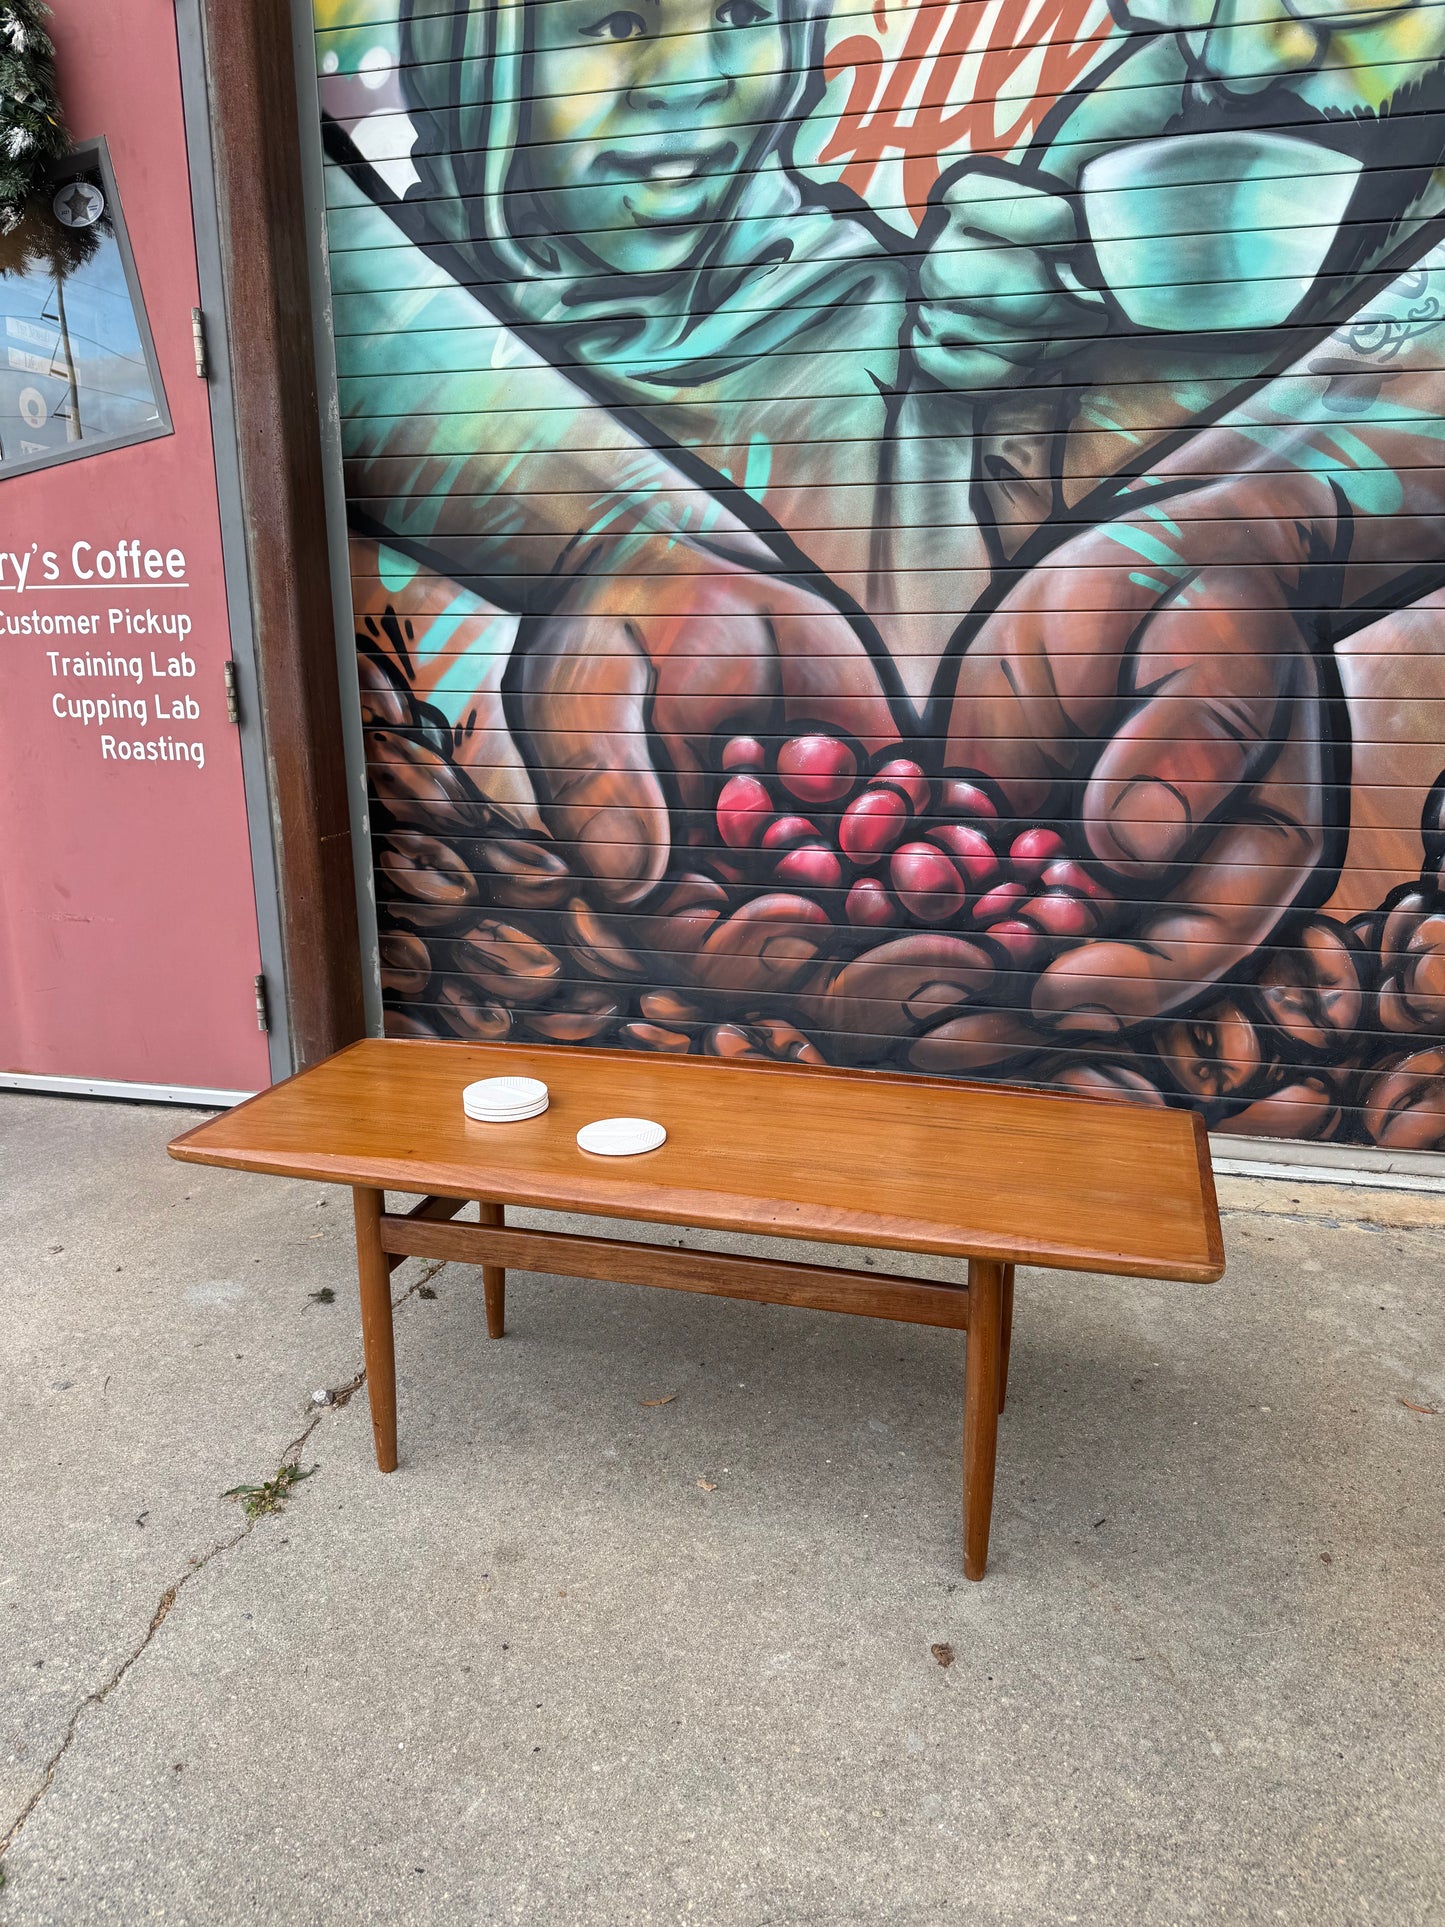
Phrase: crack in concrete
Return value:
(341, 1397)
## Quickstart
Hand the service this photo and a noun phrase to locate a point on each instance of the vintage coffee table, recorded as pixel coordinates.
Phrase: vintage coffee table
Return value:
(994, 1175)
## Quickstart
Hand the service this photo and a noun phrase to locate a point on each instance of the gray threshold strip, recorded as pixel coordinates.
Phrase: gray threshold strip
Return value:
(196, 1099)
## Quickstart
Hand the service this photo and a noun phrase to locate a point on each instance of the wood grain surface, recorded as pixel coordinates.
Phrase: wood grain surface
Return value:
(904, 1163)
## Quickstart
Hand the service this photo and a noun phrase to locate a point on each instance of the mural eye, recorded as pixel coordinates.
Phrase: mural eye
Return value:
(617, 26)
(742, 13)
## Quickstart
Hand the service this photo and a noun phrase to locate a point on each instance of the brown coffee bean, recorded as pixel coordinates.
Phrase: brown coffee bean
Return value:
(382, 703)
(478, 1019)
(686, 915)
(1111, 1078)
(908, 984)
(422, 789)
(507, 961)
(405, 963)
(765, 945)
(979, 1040)
(1215, 1054)
(402, 1023)
(1412, 966)
(580, 1018)
(522, 875)
(656, 1037)
(434, 884)
(668, 1007)
(1308, 1107)
(1405, 1103)
(602, 944)
(730, 1040)
(767, 1038)
(1314, 993)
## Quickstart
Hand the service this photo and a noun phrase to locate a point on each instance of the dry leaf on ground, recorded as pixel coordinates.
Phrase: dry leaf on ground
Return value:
(658, 1401)
(1430, 1411)
(704, 1486)
(943, 1653)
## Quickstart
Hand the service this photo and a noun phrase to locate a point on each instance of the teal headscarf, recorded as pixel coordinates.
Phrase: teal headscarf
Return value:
(775, 259)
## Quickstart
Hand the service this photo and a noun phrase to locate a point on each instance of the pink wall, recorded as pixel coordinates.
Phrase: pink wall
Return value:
(128, 941)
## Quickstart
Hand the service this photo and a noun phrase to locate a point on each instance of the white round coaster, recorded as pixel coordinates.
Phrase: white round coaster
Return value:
(621, 1137)
(503, 1097)
(506, 1117)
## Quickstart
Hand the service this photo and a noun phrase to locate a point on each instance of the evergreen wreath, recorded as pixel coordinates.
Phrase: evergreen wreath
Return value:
(32, 128)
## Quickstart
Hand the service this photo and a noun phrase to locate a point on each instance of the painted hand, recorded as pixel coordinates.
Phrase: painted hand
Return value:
(623, 695)
(997, 285)
(1152, 681)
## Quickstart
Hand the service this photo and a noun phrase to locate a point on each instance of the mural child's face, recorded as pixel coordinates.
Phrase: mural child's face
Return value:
(1341, 57)
(641, 115)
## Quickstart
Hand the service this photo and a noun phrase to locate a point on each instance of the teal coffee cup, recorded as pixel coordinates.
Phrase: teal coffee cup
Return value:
(1203, 232)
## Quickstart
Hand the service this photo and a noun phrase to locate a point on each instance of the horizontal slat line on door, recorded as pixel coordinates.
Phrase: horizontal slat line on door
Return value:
(419, 358)
(1158, 483)
(1339, 1048)
(1119, 928)
(881, 1018)
(338, 41)
(544, 643)
(1129, 87)
(477, 773)
(1391, 253)
(547, 969)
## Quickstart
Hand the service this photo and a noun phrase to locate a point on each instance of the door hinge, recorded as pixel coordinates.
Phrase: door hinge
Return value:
(198, 341)
(233, 700)
(263, 1014)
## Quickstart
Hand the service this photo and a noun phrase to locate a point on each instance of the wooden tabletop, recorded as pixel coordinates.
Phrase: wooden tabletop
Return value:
(902, 1163)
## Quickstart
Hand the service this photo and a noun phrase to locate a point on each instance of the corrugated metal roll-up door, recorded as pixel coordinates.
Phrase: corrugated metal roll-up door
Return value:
(905, 537)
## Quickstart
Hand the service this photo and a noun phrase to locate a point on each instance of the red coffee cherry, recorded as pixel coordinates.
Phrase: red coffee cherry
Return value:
(786, 830)
(1032, 852)
(970, 850)
(745, 753)
(744, 811)
(872, 824)
(927, 884)
(1060, 914)
(1071, 876)
(817, 769)
(908, 777)
(868, 905)
(812, 866)
(962, 798)
(1001, 901)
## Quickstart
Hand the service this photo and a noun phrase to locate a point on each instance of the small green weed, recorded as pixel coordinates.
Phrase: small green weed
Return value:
(271, 1495)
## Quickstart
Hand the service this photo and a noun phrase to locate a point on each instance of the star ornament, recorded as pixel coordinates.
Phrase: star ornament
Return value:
(79, 205)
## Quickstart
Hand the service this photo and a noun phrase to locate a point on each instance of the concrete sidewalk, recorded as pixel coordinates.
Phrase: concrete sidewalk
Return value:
(594, 1657)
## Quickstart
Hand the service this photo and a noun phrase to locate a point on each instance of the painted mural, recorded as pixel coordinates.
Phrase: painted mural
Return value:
(910, 536)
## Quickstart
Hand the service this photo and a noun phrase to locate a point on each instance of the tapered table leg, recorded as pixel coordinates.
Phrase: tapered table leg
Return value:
(980, 1409)
(1005, 1334)
(377, 1343)
(494, 1277)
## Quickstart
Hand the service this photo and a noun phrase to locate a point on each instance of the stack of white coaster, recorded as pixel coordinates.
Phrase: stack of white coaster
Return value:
(505, 1100)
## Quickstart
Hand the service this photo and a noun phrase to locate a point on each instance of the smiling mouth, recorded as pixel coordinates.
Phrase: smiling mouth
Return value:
(671, 166)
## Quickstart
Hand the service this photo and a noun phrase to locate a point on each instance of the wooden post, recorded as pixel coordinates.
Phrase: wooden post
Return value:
(494, 1277)
(980, 1408)
(251, 88)
(377, 1343)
